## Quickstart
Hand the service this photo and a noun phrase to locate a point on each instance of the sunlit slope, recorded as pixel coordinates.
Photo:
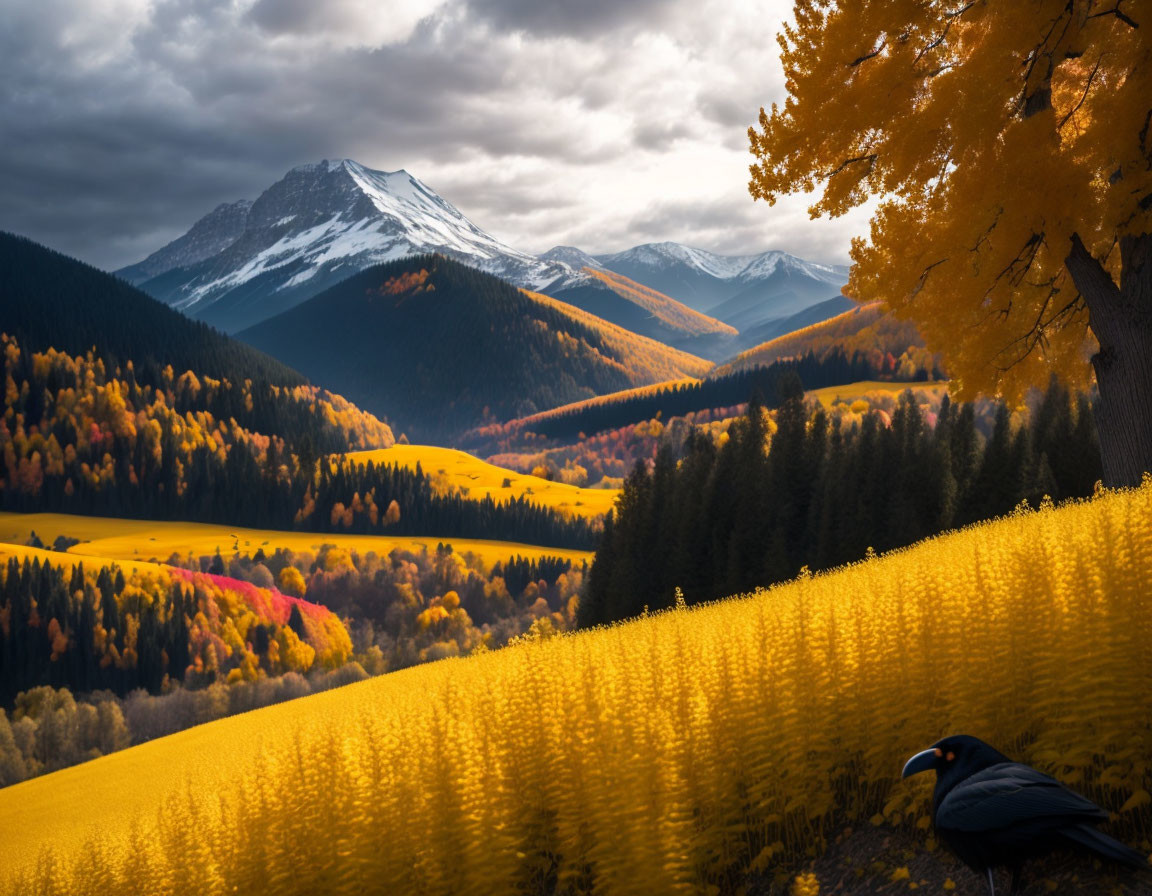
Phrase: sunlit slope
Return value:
(136, 540)
(600, 400)
(866, 328)
(476, 479)
(667, 755)
(829, 395)
(22, 553)
(647, 360)
(662, 307)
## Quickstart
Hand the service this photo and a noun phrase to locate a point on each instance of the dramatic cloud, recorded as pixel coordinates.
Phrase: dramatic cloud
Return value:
(599, 124)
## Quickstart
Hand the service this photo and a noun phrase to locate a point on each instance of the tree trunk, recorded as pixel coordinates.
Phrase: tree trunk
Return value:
(1121, 319)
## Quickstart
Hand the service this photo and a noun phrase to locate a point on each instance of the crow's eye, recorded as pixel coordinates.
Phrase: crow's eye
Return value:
(950, 756)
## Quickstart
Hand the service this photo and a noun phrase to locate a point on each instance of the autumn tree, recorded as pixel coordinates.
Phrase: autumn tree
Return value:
(1010, 147)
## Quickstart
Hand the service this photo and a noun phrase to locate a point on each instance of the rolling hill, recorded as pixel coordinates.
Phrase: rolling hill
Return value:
(647, 312)
(440, 347)
(865, 328)
(747, 734)
(137, 544)
(475, 478)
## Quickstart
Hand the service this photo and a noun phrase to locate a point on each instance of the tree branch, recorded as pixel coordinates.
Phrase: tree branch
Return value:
(942, 36)
(1115, 11)
(867, 56)
(1084, 96)
(1092, 280)
(870, 159)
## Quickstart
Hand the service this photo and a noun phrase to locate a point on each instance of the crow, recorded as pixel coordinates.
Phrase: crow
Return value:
(993, 812)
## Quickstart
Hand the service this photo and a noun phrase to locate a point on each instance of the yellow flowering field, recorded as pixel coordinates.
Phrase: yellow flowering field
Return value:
(673, 754)
(131, 541)
(829, 395)
(477, 478)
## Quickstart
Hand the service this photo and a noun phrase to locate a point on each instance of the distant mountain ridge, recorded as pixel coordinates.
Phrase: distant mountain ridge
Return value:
(248, 261)
(744, 291)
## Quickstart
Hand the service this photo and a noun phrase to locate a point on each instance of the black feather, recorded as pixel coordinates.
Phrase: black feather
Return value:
(1105, 847)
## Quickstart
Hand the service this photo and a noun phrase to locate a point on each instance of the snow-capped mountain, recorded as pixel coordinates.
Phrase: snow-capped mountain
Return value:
(320, 223)
(745, 291)
(577, 259)
(247, 261)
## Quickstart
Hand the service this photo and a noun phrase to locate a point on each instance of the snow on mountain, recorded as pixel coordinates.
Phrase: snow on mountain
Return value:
(668, 255)
(739, 268)
(246, 261)
(577, 259)
(317, 225)
(748, 292)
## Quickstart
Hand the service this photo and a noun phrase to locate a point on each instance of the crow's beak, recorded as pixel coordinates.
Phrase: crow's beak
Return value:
(921, 762)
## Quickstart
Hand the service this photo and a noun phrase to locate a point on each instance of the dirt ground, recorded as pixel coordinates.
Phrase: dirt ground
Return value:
(874, 860)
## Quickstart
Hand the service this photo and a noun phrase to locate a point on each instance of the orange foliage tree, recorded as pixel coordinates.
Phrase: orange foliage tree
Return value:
(1011, 147)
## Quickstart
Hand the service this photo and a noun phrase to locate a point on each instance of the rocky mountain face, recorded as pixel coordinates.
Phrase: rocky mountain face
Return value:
(213, 233)
(319, 224)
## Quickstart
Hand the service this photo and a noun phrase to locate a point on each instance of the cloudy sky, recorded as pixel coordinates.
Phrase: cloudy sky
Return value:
(597, 123)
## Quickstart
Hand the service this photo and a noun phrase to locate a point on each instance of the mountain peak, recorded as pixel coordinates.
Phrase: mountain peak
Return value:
(575, 258)
(319, 223)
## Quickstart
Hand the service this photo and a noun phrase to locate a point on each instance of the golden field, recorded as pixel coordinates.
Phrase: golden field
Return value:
(131, 541)
(670, 754)
(476, 479)
(829, 395)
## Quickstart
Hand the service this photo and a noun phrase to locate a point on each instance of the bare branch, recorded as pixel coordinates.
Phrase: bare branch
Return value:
(1083, 96)
(1037, 336)
(924, 276)
(952, 17)
(867, 56)
(870, 159)
(1115, 11)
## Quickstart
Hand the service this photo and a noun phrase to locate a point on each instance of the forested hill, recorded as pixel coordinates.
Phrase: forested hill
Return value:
(680, 397)
(439, 347)
(48, 300)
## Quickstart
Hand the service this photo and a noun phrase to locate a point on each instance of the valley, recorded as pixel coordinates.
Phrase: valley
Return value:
(472, 447)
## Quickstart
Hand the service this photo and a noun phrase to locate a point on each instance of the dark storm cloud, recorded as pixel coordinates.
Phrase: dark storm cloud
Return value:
(564, 17)
(287, 16)
(124, 121)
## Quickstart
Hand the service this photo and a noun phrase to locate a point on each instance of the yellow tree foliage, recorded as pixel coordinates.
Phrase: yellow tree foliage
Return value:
(1011, 147)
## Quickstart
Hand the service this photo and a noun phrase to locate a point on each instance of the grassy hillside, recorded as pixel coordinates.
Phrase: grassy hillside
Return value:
(437, 347)
(846, 394)
(866, 328)
(693, 751)
(602, 400)
(456, 470)
(131, 541)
